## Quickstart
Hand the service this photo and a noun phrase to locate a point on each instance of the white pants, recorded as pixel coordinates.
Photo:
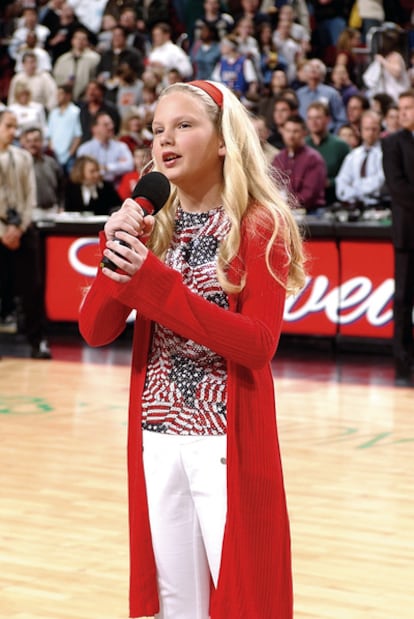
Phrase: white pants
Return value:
(187, 499)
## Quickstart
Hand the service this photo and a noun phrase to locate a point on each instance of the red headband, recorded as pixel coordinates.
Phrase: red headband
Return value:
(214, 92)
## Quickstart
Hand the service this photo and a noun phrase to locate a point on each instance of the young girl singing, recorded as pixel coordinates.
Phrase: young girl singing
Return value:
(208, 277)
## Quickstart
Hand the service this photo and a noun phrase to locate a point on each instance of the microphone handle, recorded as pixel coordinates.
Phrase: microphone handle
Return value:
(147, 209)
(106, 262)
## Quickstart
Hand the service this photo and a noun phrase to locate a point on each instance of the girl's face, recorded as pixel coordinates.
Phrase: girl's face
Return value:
(186, 146)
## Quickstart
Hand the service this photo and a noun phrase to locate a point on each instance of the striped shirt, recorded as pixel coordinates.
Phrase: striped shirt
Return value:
(186, 383)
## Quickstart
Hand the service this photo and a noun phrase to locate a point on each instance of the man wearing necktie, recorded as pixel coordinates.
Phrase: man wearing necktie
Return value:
(361, 179)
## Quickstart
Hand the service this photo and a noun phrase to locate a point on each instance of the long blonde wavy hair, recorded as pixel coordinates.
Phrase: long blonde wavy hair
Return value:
(247, 181)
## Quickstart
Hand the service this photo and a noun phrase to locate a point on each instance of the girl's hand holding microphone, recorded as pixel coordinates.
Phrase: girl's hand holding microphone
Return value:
(125, 253)
(127, 228)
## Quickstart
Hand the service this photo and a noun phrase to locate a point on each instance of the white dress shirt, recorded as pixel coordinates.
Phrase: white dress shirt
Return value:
(351, 186)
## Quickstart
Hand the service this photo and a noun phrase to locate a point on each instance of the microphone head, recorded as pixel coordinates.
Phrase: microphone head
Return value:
(154, 187)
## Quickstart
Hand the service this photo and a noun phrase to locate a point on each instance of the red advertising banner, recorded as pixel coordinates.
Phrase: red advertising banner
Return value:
(70, 268)
(314, 310)
(367, 288)
(348, 291)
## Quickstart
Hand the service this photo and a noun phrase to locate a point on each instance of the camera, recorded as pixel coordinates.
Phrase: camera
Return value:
(13, 217)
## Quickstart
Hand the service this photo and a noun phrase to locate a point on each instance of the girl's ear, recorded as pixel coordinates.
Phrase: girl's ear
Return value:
(222, 148)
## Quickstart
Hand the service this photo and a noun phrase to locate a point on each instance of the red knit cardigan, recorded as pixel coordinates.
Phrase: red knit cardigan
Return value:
(255, 580)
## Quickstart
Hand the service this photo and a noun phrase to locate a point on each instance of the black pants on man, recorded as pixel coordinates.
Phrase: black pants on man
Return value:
(403, 311)
(21, 270)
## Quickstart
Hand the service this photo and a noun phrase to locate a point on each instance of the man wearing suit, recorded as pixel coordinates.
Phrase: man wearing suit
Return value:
(398, 157)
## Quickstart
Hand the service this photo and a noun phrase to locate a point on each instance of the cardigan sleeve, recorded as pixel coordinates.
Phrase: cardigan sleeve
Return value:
(102, 318)
(248, 336)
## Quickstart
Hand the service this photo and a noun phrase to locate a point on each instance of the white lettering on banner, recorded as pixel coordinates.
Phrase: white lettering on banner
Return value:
(86, 269)
(357, 294)
(344, 304)
(80, 267)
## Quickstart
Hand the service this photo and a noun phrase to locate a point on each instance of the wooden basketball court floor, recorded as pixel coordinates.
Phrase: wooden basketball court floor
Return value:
(347, 441)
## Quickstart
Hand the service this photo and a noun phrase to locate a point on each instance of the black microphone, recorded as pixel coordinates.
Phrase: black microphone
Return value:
(151, 193)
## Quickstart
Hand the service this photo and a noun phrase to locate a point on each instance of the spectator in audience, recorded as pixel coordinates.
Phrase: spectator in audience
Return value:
(48, 175)
(391, 121)
(166, 54)
(316, 90)
(387, 73)
(277, 86)
(93, 104)
(29, 24)
(332, 148)
(271, 61)
(105, 34)
(302, 167)
(64, 128)
(114, 157)
(300, 10)
(205, 51)
(134, 132)
(44, 62)
(286, 46)
(48, 15)
(263, 132)
(148, 12)
(348, 134)
(342, 83)
(60, 42)
(344, 55)
(154, 77)
(247, 45)
(173, 76)
(361, 180)
(142, 156)
(380, 103)
(19, 241)
(300, 79)
(136, 35)
(26, 111)
(78, 66)
(252, 10)
(356, 106)
(213, 16)
(129, 90)
(42, 85)
(149, 100)
(298, 32)
(283, 108)
(110, 60)
(237, 72)
(398, 157)
(86, 190)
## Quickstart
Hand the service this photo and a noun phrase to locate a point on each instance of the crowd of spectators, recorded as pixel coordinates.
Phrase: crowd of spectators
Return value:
(321, 79)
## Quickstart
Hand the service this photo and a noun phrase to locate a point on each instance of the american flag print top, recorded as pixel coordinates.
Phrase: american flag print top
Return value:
(186, 383)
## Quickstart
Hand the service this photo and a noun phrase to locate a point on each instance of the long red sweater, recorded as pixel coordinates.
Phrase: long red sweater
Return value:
(255, 574)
